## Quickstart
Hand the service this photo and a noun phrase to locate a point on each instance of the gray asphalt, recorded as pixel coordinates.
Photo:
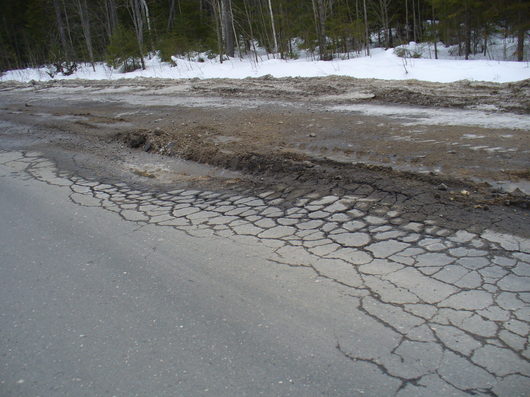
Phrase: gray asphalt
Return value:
(92, 305)
(111, 287)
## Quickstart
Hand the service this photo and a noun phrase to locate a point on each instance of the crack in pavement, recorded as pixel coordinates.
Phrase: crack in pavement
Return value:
(441, 308)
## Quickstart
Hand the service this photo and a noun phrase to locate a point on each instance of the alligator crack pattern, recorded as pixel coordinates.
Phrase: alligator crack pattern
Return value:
(444, 310)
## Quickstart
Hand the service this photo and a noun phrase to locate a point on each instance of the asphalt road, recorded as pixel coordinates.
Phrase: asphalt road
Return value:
(113, 289)
(93, 305)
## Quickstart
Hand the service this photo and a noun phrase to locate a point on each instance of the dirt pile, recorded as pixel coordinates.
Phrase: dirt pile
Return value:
(195, 146)
(287, 128)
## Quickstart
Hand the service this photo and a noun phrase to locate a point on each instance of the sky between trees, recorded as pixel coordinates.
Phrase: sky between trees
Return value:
(122, 32)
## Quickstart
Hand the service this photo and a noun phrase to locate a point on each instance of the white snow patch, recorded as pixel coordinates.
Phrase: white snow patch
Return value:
(498, 48)
(382, 64)
(427, 116)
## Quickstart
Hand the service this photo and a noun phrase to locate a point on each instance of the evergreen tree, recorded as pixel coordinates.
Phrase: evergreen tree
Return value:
(37, 32)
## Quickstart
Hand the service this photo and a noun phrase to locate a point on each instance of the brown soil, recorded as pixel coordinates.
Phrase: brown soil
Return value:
(284, 128)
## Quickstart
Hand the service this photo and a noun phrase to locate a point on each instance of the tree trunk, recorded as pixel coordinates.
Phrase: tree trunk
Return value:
(383, 14)
(323, 37)
(170, 15)
(420, 24)
(407, 27)
(218, 27)
(319, 11)
(520, 44)
(315, 18)
(236, 38)
(251, 30)
(273, 25)
(366, 29)
(137, 13)
(68, 29)
(85, 24)
(434, 33)
(145, 11)
(60, 27)
(227, 27)
(467, 31)
(414, 30)
(521, 33)
(358, 30)
(111, 17)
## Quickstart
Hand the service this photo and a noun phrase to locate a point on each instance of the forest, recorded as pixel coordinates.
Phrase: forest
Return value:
(121, 33)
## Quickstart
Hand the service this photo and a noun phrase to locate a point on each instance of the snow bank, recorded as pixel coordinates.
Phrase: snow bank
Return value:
(380, 65)
(498, 48)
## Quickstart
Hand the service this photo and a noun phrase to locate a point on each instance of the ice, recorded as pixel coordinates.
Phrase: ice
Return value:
(410, 115)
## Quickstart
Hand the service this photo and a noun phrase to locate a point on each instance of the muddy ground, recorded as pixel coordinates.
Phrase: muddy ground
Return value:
(464, 144)
(513, 97)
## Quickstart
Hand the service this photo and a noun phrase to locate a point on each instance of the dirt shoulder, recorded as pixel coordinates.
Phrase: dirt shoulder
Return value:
(513, 97)
(291, 129)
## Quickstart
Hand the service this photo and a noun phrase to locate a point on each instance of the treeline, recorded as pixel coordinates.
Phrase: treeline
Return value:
(122, 32)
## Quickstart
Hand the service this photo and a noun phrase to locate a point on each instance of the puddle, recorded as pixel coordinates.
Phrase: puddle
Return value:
(509, 186)
(225, 139)
(169, 169)
(71, 117)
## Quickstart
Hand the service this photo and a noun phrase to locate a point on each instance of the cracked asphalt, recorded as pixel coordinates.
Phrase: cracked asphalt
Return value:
(424, 306)
(289, 270)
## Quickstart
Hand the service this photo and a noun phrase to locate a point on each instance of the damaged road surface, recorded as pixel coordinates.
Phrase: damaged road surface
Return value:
(221, 238)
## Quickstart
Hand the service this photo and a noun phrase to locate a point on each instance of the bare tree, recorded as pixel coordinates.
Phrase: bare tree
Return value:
(60, 27)
(236, 39)
(434, 27)
(85, 24)
(319, 10)
(222, 10)
(170, 15)
(414, 29)
(467, 30)
(381, 10)
(139, 13)
(407, 27)
(273, 28)
(216, 7)
(367, 34)
(111, 17)
(522, 26)
(252, 41)
(227, 24)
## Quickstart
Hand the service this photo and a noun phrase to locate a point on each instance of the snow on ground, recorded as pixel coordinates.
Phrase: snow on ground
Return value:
(498, 48)
(382, 64)
(420, 116)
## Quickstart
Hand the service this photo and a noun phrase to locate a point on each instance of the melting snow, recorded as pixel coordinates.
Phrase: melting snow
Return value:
(429, 116)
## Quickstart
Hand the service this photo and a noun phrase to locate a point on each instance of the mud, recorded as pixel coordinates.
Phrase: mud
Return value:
(290, 129)
(514, 97)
